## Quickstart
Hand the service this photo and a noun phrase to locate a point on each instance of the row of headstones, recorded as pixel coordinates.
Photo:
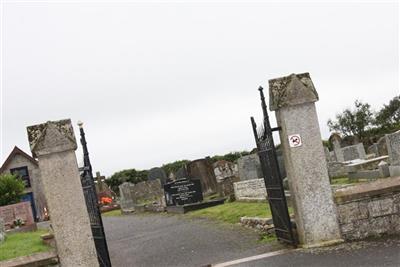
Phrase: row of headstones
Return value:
(187, 186)
(385, 152)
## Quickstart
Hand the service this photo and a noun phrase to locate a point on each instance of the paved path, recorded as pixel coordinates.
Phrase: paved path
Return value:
(164, 240)
(374, 253)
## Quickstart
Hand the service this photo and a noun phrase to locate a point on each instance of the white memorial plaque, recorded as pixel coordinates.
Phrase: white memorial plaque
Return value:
(294, 140)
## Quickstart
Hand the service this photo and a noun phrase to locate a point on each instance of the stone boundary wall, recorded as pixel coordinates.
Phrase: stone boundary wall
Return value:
(250, 190)
(20, 210)
(262, 224)
(369, 209)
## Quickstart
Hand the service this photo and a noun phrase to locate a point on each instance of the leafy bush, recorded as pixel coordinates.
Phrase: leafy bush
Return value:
(11, 189)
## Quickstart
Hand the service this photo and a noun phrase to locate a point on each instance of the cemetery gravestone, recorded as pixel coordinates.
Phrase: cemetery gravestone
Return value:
(373, 149)
(224, 169)
(157, 173)
(250, 190)
(382, 146)
(182, 192)
(249, 167)
(126, 200)
(335, 139)
(353, 152)
(202, 169)
(181, 173)
(148, 193)
(393, 147)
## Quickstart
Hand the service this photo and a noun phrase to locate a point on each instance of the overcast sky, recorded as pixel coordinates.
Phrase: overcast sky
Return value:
(158, 82)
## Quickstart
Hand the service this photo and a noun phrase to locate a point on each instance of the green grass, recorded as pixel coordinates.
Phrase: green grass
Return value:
(22, 244)
(112, 213)
(231, 212)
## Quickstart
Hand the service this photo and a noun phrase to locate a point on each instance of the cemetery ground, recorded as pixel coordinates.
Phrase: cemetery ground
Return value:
(22, 244)
(149, 239)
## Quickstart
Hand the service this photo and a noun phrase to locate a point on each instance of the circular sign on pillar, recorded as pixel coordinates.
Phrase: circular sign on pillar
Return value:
(294, 140)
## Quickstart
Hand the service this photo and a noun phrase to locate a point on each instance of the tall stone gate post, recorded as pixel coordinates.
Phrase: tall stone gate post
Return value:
(292, 98)
(53, 143)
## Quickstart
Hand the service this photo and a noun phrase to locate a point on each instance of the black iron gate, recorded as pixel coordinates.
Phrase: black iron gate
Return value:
(96, 222)
(272, 177)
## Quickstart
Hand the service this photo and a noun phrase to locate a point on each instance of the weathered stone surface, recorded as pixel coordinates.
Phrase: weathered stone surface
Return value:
(202, 169)
(224, 169)
(393, 146)
(157, 173)
(352, 212)
(51, 137)
(250, 190)
(126, 200)
(373, 149)
(382, 146)
(366, 190)
(383, 167)
(369, 164)
(146, 196)
(226, 186)
(148, 192)
(364, 174)
(336, 140)
(353, 152)
(381, 217)
(20, 210)
(181, 173)
(291, 90)
(316, 215)
(336, 169)
(263, 224)
(249, 167)
(54, 144)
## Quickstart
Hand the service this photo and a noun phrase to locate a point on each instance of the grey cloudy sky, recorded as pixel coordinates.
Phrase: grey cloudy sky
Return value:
(157, 82)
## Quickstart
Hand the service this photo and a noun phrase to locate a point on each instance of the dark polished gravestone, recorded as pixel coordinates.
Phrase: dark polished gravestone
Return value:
(183, 191)
(184, 195)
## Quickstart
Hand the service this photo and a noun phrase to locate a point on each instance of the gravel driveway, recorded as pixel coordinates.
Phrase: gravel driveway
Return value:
(165, 240)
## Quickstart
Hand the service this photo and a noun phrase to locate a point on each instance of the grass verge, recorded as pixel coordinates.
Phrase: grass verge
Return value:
(232, 211)
(22, 244)
(112, 213)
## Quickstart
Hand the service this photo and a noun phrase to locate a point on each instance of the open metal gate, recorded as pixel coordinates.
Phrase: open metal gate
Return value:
(96, 222)
(272, 177)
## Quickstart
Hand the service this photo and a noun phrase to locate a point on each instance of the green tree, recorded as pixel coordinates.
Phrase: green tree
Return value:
(129, 175)
(11, 189)
(174, 166)
(353, 121)
(232, 156)
(388, 118)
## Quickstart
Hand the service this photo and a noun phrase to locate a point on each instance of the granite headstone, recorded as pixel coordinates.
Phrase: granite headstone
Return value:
(183, 191)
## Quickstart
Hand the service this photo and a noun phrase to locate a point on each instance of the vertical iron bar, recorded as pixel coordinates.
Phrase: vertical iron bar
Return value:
(93, 207)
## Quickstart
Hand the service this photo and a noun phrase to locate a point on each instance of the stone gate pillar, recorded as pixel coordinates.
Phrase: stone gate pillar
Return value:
(292, 98)
(53, 144)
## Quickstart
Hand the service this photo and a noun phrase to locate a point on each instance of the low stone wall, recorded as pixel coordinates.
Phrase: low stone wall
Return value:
(250, 190)
(262, 224)
(369, 209)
